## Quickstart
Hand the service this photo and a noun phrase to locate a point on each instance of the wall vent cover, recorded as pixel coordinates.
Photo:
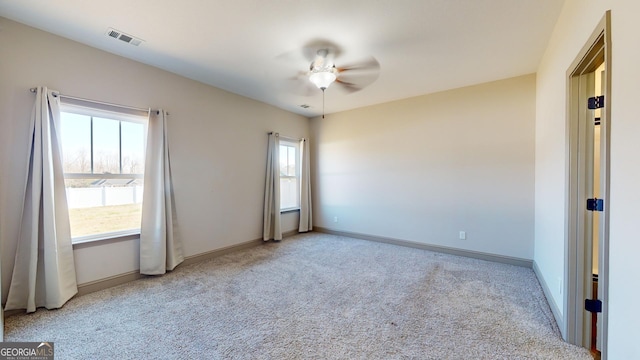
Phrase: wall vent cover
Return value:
(129, 39)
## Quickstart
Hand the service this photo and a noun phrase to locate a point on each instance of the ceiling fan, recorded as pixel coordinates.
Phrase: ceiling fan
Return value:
(324, 71)
(352, 77)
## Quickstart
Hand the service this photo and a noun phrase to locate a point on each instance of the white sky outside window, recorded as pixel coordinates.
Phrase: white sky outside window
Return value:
(289, 176)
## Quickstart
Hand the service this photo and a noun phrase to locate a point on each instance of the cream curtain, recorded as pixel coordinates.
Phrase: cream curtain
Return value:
(271, 217)
(306, 221)
(160, 247)
(44, 271)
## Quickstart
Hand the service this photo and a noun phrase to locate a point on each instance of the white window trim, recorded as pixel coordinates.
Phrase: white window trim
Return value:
(104, 236)
(80, 107)
(296, 145)
(109, 112)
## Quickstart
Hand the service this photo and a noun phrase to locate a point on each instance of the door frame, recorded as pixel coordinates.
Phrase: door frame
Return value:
(596, 50)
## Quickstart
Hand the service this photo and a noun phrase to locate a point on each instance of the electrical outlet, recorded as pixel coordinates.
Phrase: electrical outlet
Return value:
(463, 235)
(335, 219)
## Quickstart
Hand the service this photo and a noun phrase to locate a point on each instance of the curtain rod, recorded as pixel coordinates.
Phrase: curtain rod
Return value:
(285, 137)
(34, 90)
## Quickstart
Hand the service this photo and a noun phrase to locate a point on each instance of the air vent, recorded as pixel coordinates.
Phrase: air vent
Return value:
(129, 39)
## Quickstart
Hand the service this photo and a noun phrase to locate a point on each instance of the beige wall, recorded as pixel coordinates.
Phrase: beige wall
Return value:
(217, 139)
(419, 169)
(575, 25)
(425, 168)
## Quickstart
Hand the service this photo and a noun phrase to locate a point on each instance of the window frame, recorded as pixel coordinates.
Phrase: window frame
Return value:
(109, 112)
(296, 145)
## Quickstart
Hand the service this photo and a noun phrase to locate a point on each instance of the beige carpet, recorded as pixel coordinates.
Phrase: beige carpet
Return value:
(312, 296)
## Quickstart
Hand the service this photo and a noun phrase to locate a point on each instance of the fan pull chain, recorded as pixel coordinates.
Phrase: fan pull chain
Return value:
(323, 103)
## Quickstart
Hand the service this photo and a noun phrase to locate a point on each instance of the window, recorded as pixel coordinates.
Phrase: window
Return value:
(289, 175)
(103, 164)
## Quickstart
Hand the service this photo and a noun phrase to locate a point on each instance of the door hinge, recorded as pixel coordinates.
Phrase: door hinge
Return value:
(595, 204)
(594, 306)
(596, 102)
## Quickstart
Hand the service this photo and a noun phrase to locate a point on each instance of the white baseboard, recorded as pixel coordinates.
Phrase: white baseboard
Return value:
(442, 249)
(557, 314)
(222, 251)
(101, 284)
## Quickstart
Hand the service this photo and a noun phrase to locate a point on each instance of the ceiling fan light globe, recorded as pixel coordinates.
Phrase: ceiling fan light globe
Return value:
(322, 79)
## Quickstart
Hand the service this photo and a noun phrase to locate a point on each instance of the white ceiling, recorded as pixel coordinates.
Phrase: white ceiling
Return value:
(252, 47)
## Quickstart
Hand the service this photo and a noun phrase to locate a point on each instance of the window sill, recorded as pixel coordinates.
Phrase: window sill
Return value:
(116, 235)
(283, 211)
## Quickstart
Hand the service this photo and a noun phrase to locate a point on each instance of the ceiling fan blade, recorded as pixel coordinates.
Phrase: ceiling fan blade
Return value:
(308, 53)
(298, 85)
(356, 78)
(347, 86)
(311, 48)
(368, 64)
(345, 83)
(304, 88)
